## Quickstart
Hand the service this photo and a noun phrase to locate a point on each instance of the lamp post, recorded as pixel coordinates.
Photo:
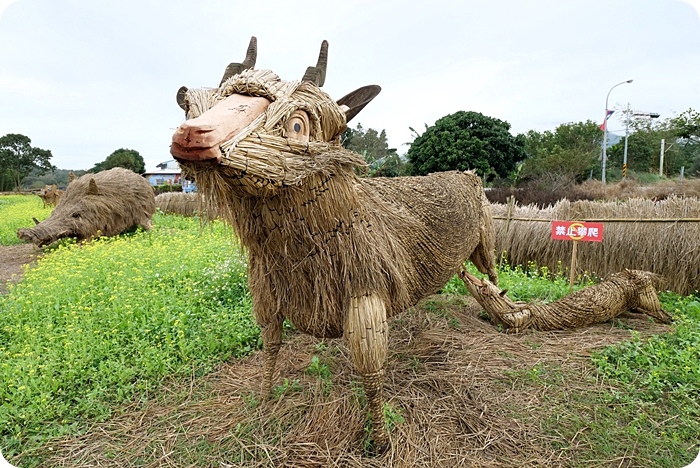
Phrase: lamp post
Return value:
(605, 128)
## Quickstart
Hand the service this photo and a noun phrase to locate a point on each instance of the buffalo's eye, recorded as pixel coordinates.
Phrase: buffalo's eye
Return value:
(76, 215)
(298, 127)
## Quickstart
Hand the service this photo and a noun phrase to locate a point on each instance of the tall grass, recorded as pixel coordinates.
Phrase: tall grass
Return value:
(97, 324)
(16, 211)
(667, 248)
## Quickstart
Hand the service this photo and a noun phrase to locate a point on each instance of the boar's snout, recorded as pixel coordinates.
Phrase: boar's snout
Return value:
(28, 235)
(40, 237)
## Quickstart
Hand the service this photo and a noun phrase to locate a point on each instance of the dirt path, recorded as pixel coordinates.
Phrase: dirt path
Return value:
(12, 261)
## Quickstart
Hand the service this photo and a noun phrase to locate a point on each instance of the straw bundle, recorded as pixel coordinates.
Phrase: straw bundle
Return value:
(657, 236)
(180, 203)
(630, 290)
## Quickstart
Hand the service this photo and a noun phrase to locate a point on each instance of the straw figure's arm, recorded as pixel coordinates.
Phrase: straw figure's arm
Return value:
(629, 290)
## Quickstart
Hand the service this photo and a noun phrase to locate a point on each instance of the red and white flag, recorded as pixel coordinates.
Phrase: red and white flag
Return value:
(608, 113)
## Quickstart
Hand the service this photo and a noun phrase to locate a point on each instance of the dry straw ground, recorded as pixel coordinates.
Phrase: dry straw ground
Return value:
(642, 234)
(458, 383)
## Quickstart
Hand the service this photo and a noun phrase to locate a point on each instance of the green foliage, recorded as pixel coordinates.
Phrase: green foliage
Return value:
(60, 177)
(323, 372)
(687, 125)
(644, 144)
(687, 129)
(392, 417)
(16, 211)
(467, 140)
(287, 387)
(661, 365)
(373, 146)
(318, 368)
(165, 188)
(94, 325)
(126, 158)
(18, 158)
(563, 156)
(524, 284)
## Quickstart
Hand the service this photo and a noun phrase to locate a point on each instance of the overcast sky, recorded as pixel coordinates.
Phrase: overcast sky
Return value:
(83, 78)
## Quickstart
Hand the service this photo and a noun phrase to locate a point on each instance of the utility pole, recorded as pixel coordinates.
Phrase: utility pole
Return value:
(627, 131)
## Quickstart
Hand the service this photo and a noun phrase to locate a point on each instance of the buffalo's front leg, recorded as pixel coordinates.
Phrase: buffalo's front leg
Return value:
(272, 341)
(366, 333)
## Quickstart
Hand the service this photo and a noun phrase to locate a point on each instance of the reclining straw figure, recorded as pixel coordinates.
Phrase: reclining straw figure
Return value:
(333, 253)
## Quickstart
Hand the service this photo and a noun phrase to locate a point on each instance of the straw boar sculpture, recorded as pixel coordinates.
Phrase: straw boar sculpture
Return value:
(333, 253)
(107, 203)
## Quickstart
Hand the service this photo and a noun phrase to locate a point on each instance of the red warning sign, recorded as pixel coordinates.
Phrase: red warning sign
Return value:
(578, 231)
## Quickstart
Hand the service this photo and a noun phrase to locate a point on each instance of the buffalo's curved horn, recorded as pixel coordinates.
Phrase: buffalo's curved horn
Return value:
(249, 62)
(317, 74)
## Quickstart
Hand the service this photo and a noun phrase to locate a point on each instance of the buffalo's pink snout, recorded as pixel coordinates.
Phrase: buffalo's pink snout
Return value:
(199, 138)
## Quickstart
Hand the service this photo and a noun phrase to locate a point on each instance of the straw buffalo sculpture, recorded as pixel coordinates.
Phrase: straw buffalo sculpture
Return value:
(107, 203)
(50, 195)
(333, 253)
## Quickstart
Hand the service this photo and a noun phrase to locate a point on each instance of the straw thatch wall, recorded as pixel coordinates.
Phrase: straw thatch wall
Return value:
(180, 203)
(185, 204)
(658, 236)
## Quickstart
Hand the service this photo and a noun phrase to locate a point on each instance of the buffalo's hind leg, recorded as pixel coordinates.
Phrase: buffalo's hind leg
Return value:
(366, 333)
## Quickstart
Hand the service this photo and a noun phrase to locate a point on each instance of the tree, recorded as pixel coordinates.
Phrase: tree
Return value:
(126, 158)
(687, 128)
(467, 140)
(18, 158)
(687, 125)
(60, 177)
(682, 144)
(563, 156)
(373, 146)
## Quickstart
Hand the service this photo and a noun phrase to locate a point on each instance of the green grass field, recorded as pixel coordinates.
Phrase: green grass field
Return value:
(16, 211)
(107, 322)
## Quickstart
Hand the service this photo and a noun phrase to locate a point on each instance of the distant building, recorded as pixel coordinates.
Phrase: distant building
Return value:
(169, 172)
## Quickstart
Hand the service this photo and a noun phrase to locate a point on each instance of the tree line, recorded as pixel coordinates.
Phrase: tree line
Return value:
(460, 141)
(548, 160)
(25, 166)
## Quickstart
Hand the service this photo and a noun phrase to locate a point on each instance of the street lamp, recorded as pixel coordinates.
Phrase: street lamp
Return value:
(605, 128)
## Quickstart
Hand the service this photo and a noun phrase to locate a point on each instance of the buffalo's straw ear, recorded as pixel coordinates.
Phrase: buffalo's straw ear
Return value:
(92, 188)
(358, 99)
(181, 98)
